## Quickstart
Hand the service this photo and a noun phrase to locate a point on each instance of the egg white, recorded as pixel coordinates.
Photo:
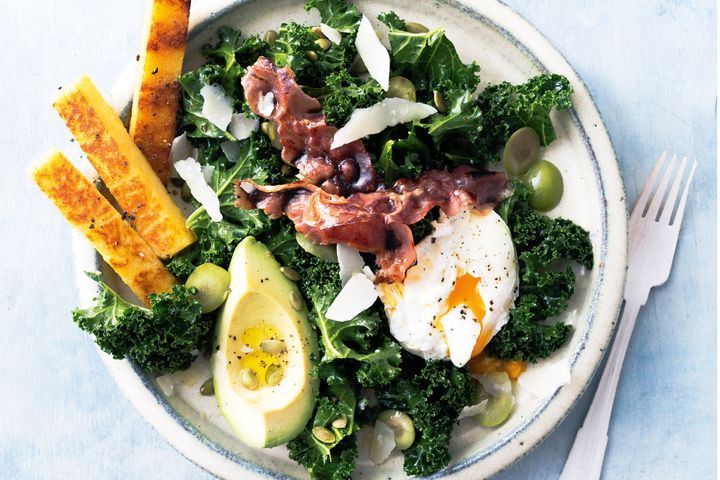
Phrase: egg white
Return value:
(420, 316)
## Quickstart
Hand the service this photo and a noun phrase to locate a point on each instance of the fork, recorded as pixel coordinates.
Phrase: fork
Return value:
(654, 229)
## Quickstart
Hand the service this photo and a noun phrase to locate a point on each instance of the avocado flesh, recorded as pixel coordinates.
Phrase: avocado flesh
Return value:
(259, 308)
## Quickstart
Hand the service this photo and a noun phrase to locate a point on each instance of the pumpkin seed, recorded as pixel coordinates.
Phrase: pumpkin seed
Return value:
(178, 182)
(273, 375)
(323, 434)
(271, 37)
(296, 300)
(265, 128)
(317, 31)
(273, 136)
(249, 379)
(340, 422)
(272, 346)
(312, 56)
(290, 273)
(439, 101)
(185, 192)
(207, 389)
(414, 27)
(323, 43)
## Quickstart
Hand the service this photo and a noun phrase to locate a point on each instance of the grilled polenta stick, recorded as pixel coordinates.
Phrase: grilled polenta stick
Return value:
(123, 168)
(155, 103)
(89, 211)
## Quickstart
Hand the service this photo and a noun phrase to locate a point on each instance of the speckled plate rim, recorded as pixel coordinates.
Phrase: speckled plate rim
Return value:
(607, 296)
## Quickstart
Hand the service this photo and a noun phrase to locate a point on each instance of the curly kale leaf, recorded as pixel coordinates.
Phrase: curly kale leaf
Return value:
(233, 53)
(190, 117)
(508, 107)
(164, 337)
(406, 155)
(429, 60)
(217, 240)
(356, 339)
(343, 93)
(433, 394)
(339, 14)
(336, 399)
(296, 47)
(544, 247)
(392, 20)
(457, 132)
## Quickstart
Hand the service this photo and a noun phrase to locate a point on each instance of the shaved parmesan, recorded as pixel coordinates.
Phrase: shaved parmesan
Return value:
(473, 410)
(357, 295)
(241, 127)
(181, 149)
(333, 35)
(266, 104)
(383, 442)
(373, 53)
(190, 171)
(461, 332)
(375, 119)
(231, 150)
(543, 379)
(350, 262)
(217, 106)
(166, 384)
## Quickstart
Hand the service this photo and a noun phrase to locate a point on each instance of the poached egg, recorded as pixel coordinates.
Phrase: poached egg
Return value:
(459, 293)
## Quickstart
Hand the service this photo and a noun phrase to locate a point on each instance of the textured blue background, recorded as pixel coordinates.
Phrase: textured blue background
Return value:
(651, 67)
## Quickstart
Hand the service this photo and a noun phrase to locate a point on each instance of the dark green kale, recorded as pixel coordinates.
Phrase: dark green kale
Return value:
(544, 247)
(164, 337)
(217, 240)
(234, 54)
(337, 399)
(428, 59)
(433, 394)
(343, 93)
(408, 154)
(338, 14)
(392, 20)
(296, 47)
(508, 107)
(190, 118)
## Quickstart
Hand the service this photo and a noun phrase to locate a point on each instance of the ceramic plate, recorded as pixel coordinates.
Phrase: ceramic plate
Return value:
(508, 48)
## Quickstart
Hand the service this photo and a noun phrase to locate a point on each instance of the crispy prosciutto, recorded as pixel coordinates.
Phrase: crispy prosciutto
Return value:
(376, 222)
(272, 93)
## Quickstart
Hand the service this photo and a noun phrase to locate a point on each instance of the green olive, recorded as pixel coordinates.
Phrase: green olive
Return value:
(497, 409)
(325, 252)
(402, 425)
(401, 87)
(522, 150)
(414, 27)
(273, 136)
(271, 37)
(212, 283)
(546, 184)
(498, 405)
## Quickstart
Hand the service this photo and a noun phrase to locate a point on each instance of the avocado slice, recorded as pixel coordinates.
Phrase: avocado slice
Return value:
(262, 351)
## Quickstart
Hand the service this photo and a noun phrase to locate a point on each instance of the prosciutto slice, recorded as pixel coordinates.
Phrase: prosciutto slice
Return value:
(272, 93)
(376, 222)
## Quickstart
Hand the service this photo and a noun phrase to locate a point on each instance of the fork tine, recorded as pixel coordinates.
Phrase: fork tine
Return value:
(657, 199)
(672, 196)
(683, 200)
(644, 197)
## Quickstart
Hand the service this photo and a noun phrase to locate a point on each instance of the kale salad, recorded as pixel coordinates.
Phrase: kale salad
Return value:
(355, 221)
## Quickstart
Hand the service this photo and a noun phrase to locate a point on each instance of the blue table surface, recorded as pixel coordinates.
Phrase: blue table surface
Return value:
(651, 67)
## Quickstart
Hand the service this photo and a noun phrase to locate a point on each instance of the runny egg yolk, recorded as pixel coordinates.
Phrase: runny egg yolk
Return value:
(465, 293)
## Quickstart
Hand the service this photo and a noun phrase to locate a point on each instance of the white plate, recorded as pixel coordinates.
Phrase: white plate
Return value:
(508, 48)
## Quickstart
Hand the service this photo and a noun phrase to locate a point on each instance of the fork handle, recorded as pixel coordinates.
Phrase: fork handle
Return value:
(588, 451)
